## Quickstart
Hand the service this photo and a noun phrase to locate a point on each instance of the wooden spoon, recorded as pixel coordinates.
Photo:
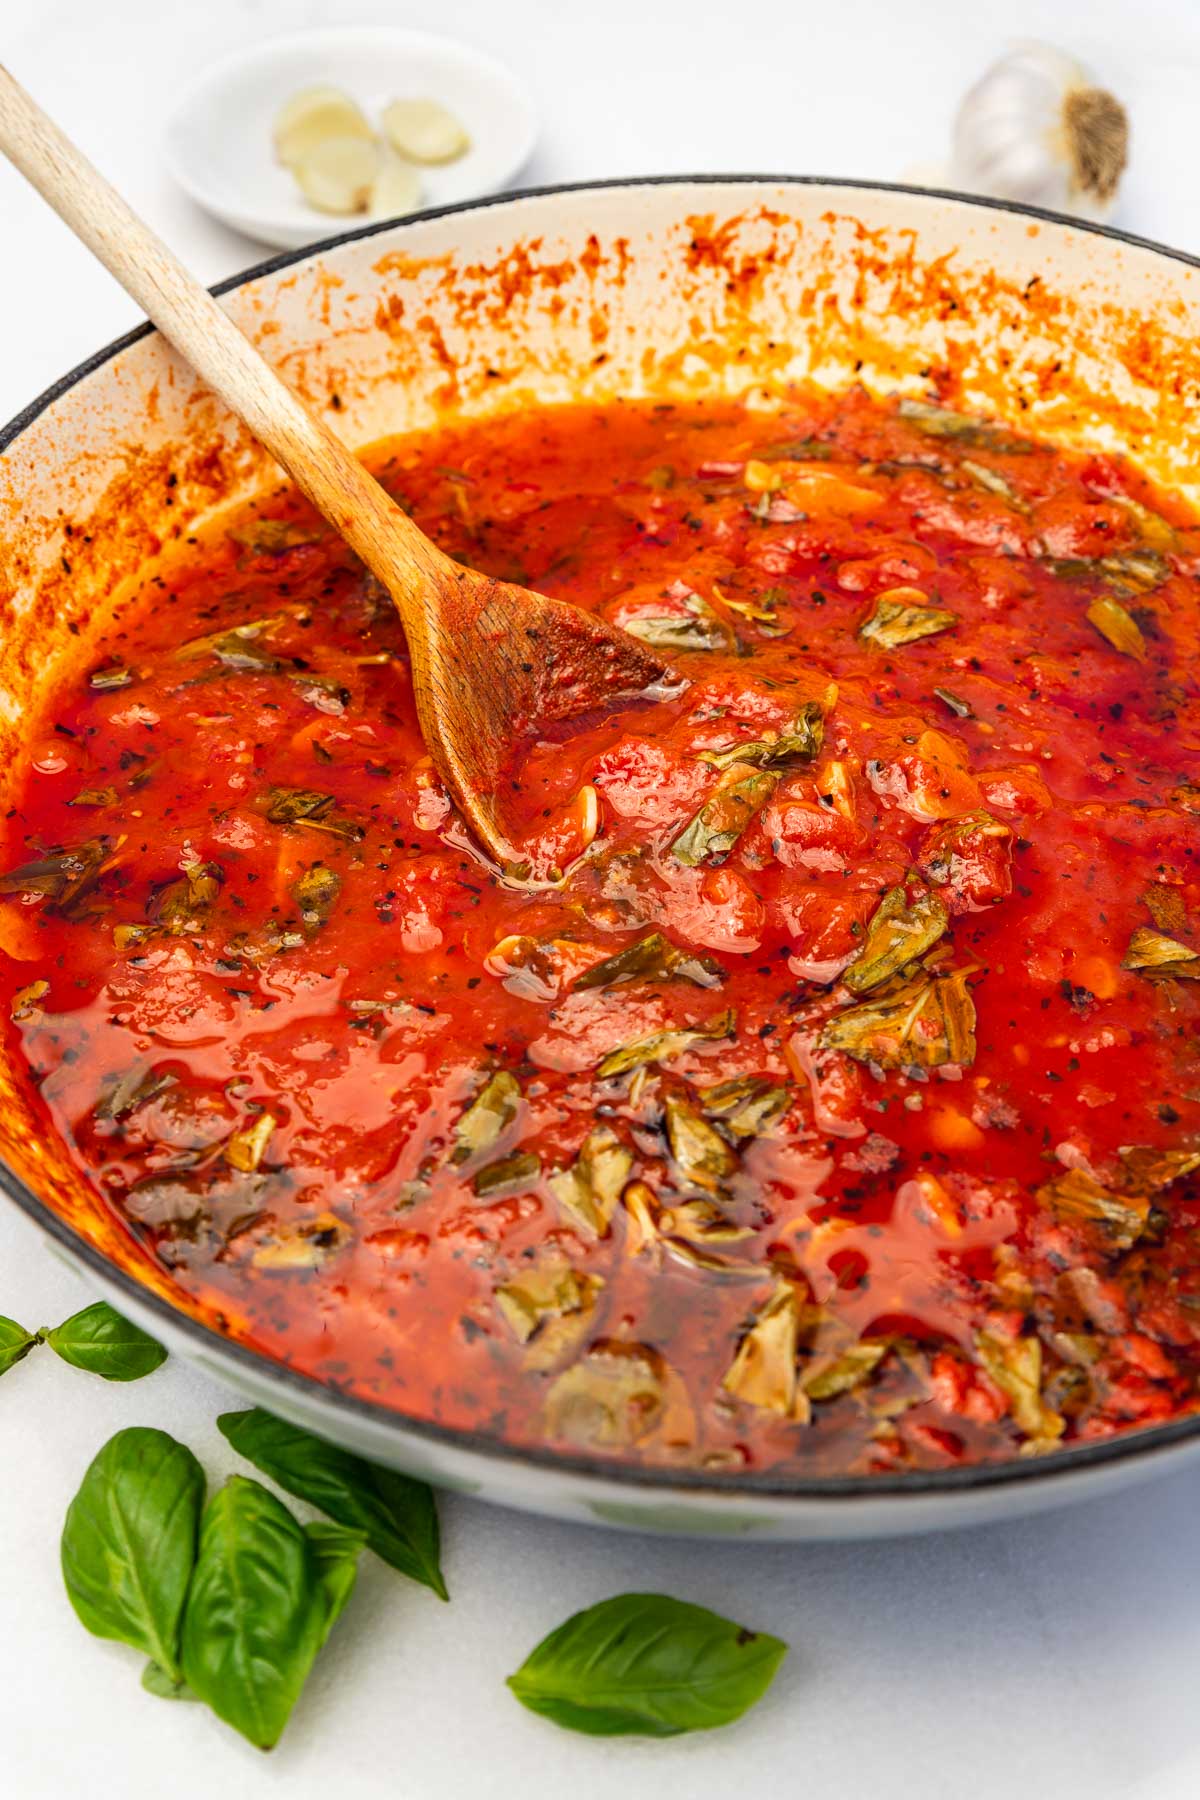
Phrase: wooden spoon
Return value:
(490, 661)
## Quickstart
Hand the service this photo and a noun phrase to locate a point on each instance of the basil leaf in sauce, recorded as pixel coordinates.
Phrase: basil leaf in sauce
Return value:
(799, 742)
(310, 808)
(64, 876)
(1154, 955)
(699, 1153)
(896, 622)
(1080, 1199)
(652, 958)
(550, 1305)
(695, 627)
(747, 1105)
(1125, 572)
(316, 892)
(398, 1514)
(181, 907)
(993, 482)
(763, 1372)
(960, 708)
(1118, 626)
(761, 611)
(1147, 1170)
(647, 1664)
(699, 1221)
(129, 1543)
(897, 935)
(922, 1022)
(258, 1611)
(235, 646)
(15, 1342)
(98, 797)
(122, 1094)
(662, 1046)
(805, 449)
(291, 806)
(740, 793)
(615, 1395)
(1015, 1365)
(511, 1174)
(102, 1342)
(941, 422)
(245, 1148)
(112, 676)
(271, 537)
(490, 1114)
(828, 1376)
(26, 1005)
(589, 1189)
(302, 1244)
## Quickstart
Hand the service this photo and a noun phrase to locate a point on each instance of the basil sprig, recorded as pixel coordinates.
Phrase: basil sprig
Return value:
(231, 1602)
(648, 1664)
(129, 1543)
(397, 1514)
(262, 1601)
(96, 1339)
(101, 1341)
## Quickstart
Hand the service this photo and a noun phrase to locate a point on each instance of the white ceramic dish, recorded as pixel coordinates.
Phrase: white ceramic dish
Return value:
(219, 137)
(665, 288)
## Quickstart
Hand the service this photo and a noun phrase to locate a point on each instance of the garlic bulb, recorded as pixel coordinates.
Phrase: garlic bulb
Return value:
(1037, 130)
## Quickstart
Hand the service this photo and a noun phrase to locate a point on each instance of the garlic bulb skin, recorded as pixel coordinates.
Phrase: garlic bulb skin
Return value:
(1037, 130)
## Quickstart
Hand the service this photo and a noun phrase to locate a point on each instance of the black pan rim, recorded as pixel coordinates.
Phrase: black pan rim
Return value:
(1140, 1444)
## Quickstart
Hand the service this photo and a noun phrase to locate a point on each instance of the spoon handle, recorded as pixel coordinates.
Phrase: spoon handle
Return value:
(387, 541)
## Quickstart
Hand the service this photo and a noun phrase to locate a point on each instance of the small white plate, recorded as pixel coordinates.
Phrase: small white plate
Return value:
(219, 138)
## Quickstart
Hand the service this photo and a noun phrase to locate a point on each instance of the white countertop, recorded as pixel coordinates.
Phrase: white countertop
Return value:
(1058, 1656)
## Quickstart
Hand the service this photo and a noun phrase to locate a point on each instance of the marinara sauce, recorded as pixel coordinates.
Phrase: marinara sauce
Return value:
(838, 1109)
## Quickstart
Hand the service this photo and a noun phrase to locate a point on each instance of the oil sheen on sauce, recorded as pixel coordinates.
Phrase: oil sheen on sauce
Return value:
(839, 1110)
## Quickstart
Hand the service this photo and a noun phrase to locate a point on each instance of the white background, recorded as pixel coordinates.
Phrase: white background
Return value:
(1055, 1657)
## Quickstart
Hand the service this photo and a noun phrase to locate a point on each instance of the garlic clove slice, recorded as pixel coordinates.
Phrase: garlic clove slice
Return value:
(313, 114)
(336, 174)
(424, 131)
(396, 190)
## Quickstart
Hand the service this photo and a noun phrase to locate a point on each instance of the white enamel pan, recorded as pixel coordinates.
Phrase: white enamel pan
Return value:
(664, 288)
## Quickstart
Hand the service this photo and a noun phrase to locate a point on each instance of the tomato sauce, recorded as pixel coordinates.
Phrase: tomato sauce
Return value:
(839, 1108)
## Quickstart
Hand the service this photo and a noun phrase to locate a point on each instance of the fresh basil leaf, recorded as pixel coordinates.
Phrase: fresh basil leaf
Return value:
(335, 1562)
(129, 1542)
(15, 1342)
(398, 1514)
(649, 1664)
(157, 1681)
(101, 1341)
(257, 1611)
(335, 1555)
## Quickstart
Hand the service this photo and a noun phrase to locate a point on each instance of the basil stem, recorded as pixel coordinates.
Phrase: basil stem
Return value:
(156, 1681)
